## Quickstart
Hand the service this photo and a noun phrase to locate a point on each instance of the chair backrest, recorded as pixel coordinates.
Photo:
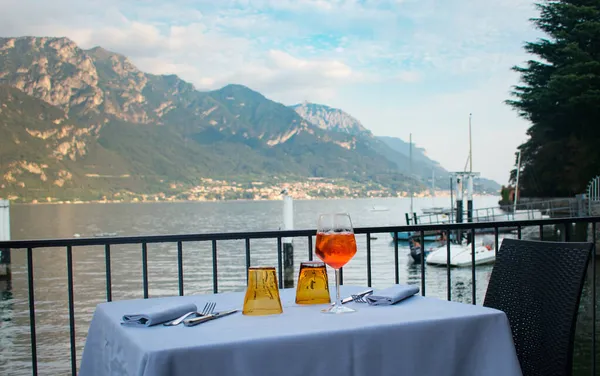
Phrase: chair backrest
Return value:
(538, 285)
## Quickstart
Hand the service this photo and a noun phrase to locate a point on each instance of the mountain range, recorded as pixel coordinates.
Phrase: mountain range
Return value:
(89, 124)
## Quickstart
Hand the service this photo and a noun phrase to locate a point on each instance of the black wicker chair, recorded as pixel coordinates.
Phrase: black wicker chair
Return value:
(538, 286)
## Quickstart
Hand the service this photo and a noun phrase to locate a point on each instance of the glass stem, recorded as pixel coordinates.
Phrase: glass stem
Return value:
(338, 300)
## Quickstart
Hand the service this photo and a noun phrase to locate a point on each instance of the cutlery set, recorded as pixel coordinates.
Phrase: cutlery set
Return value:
(207, 310)
(358, 298)
(208, 314)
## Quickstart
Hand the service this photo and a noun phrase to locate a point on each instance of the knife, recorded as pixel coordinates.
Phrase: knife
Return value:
(349, 299)
(201, 319)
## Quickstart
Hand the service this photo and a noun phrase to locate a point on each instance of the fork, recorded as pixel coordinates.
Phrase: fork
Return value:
(207, 310)
(360, 298)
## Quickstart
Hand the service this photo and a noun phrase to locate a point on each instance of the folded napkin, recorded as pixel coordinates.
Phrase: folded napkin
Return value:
(158, 314)
(391, 295)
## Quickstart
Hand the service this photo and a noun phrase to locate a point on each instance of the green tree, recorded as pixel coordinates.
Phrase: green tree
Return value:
(560, 95)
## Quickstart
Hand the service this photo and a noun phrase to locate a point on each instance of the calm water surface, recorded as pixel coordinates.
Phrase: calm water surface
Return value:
(64, 221)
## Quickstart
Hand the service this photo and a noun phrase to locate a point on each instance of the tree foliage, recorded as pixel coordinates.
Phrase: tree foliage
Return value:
(559, 94)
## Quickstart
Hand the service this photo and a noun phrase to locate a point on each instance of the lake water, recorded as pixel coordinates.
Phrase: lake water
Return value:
(64, 221)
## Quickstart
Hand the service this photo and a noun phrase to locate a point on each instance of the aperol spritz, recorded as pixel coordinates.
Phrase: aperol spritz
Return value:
(336, 249)
(335, 245)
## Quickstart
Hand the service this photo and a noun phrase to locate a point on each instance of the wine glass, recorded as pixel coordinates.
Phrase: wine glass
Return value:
(335, 245)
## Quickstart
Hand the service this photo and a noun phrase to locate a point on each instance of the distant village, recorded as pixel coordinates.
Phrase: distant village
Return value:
(217, 190)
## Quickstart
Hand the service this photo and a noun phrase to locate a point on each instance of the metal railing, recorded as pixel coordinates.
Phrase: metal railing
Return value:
(530, 210)
(70, 246)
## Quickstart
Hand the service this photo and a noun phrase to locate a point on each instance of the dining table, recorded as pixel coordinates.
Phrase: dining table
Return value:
(420, 336)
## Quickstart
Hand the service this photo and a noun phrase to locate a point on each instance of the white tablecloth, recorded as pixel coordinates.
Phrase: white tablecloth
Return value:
(418, 336)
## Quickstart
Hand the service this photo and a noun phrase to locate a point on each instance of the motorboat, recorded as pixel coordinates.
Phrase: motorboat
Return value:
(461, 254)
(437, 210)
(105, 234)
(416, 248)
(379, 208)
(430, 236)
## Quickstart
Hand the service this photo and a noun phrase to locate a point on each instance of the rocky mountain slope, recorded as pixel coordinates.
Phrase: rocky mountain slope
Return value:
(89, 123)
(394, 149)
(329, 118)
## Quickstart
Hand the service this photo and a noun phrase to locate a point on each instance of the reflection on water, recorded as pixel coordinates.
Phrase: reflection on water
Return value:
(64, 221)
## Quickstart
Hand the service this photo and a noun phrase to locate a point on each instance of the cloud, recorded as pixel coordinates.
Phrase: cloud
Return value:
(407, 76)
(447, 54)
(290, 78)
(439, 122)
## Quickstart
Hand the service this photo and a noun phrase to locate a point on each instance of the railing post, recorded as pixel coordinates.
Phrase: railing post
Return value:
(108, 272)
(145, 269)
(448, 275)
(369, 281)
(214, 267)
(180, 267)
(71, 295)
(288, 246)
(396, 267)
(32, 331)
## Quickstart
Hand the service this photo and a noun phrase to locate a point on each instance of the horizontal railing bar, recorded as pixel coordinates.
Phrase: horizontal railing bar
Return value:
(78, 242)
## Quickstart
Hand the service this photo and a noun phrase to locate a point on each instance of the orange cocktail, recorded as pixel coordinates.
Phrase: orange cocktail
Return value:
(335, 245)
(335, 249)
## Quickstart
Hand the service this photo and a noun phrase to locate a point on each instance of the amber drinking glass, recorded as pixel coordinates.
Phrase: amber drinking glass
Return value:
(262, 294)
(313, 286)
(335, 245)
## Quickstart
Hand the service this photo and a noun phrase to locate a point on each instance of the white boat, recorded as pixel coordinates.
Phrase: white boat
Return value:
(436, 210)
(379, 208)
(461, 255)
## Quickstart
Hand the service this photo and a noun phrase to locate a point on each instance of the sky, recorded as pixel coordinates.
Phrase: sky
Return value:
(401, 67)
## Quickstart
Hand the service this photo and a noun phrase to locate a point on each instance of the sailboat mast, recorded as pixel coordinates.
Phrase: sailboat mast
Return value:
(411, 174)
(470, 180)
(470, 147)
(433, 187)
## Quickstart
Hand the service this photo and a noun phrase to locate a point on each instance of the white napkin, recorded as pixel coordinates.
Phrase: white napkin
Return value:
(392, 295)
(158, 314)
